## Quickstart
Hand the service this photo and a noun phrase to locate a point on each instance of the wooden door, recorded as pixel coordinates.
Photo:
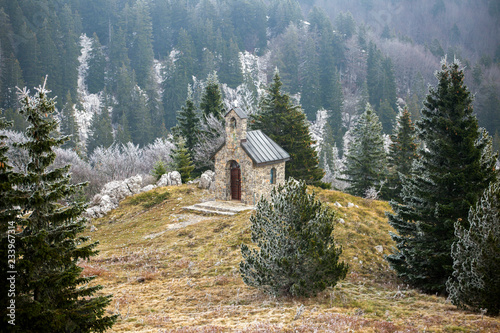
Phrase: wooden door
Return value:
(235, 183)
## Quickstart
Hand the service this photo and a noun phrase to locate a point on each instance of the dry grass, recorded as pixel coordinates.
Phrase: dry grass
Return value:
(187, 280)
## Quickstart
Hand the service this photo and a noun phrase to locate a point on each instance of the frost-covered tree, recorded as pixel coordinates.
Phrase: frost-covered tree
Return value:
(296, 253)
(210, 138)
(366, 161)
(402, 153)
(455, 166)
(51, 294)
(475, 282)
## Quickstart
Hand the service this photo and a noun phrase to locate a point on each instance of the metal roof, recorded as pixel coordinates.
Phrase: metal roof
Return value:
(262, 150)
(242, 114)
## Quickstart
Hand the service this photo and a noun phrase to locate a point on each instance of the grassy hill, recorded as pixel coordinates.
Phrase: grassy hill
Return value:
(174, 271)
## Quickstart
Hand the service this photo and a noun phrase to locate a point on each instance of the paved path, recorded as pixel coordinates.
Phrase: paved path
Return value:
(219, 207)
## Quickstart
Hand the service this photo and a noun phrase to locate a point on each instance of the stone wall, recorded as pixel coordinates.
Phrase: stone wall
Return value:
(255, 180)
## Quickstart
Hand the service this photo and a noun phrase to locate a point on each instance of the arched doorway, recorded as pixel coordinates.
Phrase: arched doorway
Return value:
(235, 181)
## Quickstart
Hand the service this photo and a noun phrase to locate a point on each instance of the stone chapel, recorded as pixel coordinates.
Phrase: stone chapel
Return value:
(249, 164)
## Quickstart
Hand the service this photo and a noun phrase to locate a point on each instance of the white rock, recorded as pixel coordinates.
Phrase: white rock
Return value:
(175, 178)
(350, 205)
(163, 180)
(341, 220)
(379, 248)
(336, 204)
(207, 179)
(93, 228)
(148, 188)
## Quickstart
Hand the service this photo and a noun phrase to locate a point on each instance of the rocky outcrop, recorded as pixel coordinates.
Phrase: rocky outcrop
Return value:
(207, 180)
(171, 178)
(115, 191)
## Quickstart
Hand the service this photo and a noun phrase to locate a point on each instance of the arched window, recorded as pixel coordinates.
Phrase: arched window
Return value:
(273, 176)
(232, 123)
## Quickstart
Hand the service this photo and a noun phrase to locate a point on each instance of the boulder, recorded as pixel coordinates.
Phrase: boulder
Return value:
(168, 179)
(148, 188)
(207, 180)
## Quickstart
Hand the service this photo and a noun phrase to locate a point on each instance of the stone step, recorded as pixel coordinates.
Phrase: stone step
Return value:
(219, 207)
(202, 210)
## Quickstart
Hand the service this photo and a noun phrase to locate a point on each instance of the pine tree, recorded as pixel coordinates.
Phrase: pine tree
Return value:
(366, 160)
(101, 130)
(181, 161)
(10, 200)
(68, 125)
(211, 101)
(475, 283)
(188, 122)
(97, 67)
(296, 252)
(286, 124)
(455, 167)
(402, 153)
(51, 293)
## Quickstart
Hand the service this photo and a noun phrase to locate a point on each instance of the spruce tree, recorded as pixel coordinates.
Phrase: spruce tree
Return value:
(211, 100)
(97, 67)
(296, 252)
(51, 294)
(402, 153)
(101, 131)
(68, 125)
(10, 200)
(475, 282)
(366, 160)
(188, 122)
(181, 161)
(454, 168)
(286, 124)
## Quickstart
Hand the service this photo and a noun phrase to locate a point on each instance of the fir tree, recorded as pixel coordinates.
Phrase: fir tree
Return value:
(51, 293)
(475, 283)
(68, 125)
(97, 67)
(181, 161)
(101, 131)
(10, 200)
(402, 153)
(296, 252)
(455, 167)
(188, 122)
(366, 160)
(211, 101)
(286, 124)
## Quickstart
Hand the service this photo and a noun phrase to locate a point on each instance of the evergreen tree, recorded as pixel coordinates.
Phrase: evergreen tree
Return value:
(97, 67)
(335, 113)
(188, 122)
(101, 131)
(366, 161)
(296, 252)
(211, 100)
(181, 161)
(10, 200)
(402, 153)
(286, 124)
(475, 283)
(455, 167)
(51, 295)
(68, 125)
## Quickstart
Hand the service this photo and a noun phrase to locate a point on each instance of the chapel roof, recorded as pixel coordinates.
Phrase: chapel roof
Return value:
(242, 114)
(262, 149)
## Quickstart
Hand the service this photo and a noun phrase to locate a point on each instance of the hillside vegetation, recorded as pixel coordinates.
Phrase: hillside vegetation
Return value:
(174, 271)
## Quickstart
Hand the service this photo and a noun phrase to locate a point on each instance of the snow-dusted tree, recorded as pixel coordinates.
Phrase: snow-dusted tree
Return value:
(402, 153)
(475, 282)
(454, 168)
(366, 160)
(210, 138)
(296, 252)
(51, 294)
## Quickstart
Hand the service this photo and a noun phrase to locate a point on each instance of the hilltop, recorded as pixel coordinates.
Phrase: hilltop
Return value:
(175, 271)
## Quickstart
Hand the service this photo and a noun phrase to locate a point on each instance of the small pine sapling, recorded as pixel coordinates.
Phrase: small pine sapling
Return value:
(296, 253)
(475, 282)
